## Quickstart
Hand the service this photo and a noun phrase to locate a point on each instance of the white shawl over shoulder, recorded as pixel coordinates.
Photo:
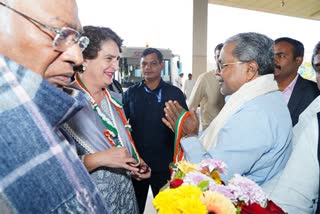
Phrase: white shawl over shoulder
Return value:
(250, 90)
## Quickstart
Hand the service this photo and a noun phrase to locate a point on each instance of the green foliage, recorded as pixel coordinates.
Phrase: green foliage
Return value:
(204, 185)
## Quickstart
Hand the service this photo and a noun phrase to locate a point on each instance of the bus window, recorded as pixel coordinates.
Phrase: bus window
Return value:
(129, 66)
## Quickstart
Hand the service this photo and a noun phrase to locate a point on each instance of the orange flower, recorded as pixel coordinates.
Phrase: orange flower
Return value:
(217, 203)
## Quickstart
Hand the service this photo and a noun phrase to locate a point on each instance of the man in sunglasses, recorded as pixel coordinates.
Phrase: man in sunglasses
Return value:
(39, 172)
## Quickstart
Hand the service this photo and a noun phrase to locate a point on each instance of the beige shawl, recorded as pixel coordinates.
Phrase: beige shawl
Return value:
(250, 90)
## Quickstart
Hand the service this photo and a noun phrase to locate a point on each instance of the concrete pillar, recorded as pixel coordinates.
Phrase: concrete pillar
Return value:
(199, 48)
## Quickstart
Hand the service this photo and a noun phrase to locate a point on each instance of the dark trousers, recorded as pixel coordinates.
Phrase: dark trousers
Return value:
(156, 181)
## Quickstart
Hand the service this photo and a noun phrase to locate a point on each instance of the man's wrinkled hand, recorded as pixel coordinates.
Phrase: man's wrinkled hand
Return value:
(172, 111)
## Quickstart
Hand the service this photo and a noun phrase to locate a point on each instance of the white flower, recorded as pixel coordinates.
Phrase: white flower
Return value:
(212, 164)
(194, 178)
(247, 190)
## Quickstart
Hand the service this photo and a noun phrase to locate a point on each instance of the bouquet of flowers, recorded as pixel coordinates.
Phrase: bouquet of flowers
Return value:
(198, 188)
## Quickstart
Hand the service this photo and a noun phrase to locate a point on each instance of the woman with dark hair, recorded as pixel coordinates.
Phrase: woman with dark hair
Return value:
(100, 129)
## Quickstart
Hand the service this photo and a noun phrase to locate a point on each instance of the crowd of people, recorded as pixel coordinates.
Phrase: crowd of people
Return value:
(72, 142)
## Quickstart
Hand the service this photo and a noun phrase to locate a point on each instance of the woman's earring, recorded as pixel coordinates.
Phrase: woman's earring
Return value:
(84, 67)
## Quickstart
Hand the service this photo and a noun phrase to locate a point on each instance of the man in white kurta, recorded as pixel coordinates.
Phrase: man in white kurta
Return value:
(296, 189)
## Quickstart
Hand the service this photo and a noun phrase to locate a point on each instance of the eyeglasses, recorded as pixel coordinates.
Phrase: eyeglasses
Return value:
(65, 37)
(222, 66)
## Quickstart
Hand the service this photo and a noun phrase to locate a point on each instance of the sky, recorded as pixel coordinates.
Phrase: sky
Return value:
(168, 24)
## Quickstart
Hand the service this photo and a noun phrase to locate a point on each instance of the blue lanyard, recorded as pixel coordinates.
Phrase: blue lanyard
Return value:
(157, 95)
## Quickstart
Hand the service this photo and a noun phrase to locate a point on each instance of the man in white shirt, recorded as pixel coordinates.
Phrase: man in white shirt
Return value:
(178, 81)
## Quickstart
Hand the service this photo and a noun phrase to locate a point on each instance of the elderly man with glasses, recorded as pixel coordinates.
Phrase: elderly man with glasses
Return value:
(252, 132)
(39, 172)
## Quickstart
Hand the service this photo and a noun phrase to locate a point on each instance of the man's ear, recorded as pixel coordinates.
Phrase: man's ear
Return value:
(299, 60)
(252, 70)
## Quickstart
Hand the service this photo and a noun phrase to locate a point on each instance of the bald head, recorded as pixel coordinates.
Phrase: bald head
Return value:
(25, 41)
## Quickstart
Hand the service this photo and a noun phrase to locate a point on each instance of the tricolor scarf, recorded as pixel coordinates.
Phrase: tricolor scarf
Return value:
(111, 130)
(177, 150)
(250, 90)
